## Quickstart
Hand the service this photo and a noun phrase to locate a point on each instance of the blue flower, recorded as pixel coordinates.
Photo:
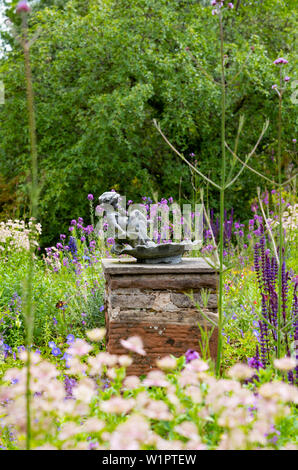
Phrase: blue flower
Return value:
(56, 352)
(101, 309)
(66, 356)
(70, 339)
(52, 344)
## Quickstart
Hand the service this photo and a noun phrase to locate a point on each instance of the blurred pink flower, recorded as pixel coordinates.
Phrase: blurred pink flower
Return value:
(23, 6)
(134, 344)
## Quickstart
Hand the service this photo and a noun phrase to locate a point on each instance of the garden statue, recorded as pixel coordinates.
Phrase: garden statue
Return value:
(130, 234)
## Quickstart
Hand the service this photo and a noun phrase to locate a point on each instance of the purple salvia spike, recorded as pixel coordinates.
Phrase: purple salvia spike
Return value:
(284, 290)
(257, 264)
(263, 344)
(263, 261)
(295, 318)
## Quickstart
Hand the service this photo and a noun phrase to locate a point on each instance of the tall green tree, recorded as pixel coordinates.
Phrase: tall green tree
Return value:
(104, 69)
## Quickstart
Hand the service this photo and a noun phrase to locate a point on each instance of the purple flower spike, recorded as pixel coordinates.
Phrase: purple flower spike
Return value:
(90, 197)
(23, 7)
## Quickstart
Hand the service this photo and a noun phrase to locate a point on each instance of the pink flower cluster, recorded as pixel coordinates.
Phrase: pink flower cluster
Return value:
(280, 60)
(124, 416)
(23, 7)
(220, 4)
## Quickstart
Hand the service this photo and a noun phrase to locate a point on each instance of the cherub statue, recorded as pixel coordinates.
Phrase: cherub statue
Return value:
(130, 234)
(129, 229)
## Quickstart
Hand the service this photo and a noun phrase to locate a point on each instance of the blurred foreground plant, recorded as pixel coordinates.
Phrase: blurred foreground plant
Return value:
(96, 405)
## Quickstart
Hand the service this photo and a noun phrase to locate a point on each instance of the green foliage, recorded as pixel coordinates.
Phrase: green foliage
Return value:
(103, 70)
(77, 291)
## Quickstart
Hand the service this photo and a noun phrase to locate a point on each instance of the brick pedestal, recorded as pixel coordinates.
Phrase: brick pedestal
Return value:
(150, 301)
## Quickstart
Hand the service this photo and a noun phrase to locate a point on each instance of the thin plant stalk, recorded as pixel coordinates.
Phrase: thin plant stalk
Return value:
(223, 184)
(222, 198)
(280, 217)
(29, 309)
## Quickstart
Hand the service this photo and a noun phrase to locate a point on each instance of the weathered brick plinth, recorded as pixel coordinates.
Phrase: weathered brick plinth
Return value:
(150, 301)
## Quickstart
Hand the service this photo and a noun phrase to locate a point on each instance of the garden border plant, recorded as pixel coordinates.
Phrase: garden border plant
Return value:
(227, 182)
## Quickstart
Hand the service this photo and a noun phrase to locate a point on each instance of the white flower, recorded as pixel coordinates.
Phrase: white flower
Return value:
(240, 372)
(117, 405)
(285, 363)
(97, 334)
(167, 363)
(79, 348)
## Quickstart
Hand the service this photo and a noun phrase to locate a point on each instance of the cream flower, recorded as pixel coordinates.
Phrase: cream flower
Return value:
(285, 363)
(97, 334)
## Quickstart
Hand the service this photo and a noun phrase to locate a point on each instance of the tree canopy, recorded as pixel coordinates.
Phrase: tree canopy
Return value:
(104, 69)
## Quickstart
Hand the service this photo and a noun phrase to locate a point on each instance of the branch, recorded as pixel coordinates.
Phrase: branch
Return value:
(241, 68)
(244, 164)
(240, 126)
(182, 156)
(290, 179)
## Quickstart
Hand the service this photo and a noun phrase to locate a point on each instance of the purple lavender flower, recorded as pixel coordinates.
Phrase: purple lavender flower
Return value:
(69, 384)
(72, 246)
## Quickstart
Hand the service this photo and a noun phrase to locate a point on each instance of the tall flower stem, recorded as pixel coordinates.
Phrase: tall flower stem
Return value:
(29, 310)
(280, 217)
(222, 198)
